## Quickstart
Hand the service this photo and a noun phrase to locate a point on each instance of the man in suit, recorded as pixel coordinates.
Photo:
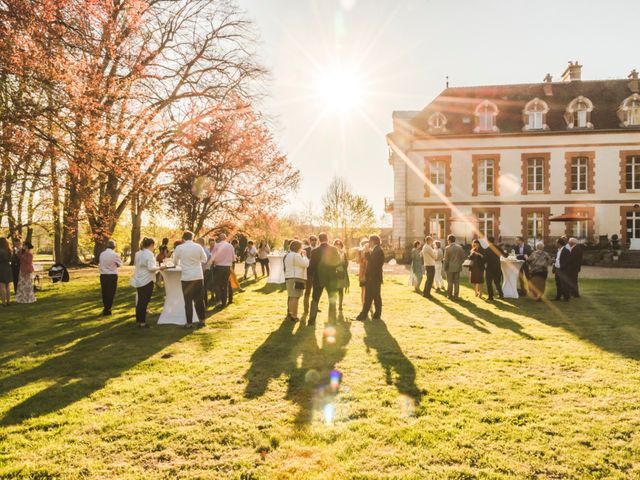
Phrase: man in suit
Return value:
(190, 256)
(429, 260)
(523, 250)
(561, 268)
(575, 264)
(15, 264)
(493, 270)
(452, 264)
(373, 281)
(313, 243)
(323, 264)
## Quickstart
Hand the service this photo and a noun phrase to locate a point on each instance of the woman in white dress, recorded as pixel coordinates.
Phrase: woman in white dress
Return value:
(143, 278)
(438, 280)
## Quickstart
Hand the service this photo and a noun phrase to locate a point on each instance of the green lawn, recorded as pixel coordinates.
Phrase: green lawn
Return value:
(438, 389)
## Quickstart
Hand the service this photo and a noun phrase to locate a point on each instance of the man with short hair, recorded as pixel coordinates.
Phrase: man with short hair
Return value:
(429, 260)
(108, 263)
(493, 269)
(452, 264)
(190, 256)
(313, 243)
(561, 270)
(224, 257)
(575, 264)
(373, 281)
(206, 268)
(523, 251)
(323, 264)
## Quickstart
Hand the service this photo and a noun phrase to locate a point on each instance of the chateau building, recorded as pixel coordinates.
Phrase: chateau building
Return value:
(501, 160)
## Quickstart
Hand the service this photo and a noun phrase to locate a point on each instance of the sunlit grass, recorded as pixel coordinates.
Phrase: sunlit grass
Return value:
(437, 390)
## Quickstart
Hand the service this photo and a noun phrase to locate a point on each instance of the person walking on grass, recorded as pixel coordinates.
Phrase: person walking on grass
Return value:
(190, 256)
(108, 262)
(476, 267)
(561, 269)
(373, 281)
(5, 272)
(452, 263)
(363, 252)
(342, 272)
(323, 263)
(143, 278)
(250, 254)
(263, 257)
(417, 267)
(493, 269)
(25, 293)
(313, 243)
(15, 265)
(429, 259)
(224, 257)
(438, 280)
(295, 274)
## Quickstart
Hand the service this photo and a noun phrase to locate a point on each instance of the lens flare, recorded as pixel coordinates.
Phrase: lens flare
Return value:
(407, 406)
(330, 334)
(329, 411)
(312, 376)
(339, 90)
(334, 380)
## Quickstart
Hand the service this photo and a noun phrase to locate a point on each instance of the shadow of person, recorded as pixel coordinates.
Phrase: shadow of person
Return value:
(85, 368)
(460, 316)
(394, 362)
(273, 358)
(497, 320)
(268, 288)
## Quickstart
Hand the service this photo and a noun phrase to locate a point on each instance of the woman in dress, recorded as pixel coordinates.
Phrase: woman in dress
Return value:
(539, 262)
(250, 254)
(6, 276)
(24, 293)
(417, 266)
(263, 257)
(144, 273)
(476, 267)
(438, 280)
(362, 266)
(342, 271)
(295, 274)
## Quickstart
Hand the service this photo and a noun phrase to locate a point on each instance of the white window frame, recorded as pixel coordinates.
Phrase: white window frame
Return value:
(486, 166)
(580, 171)
(580, 229)
(535, 227)
(632, 224)
(632, 161)
(535, 167)
(438, 169)
(440, 222)
(486, 113)
(486, 224)
(534, 115)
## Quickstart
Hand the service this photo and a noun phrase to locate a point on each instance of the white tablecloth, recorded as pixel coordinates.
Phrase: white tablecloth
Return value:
(173, 309)
(510, 271)
(276, 268)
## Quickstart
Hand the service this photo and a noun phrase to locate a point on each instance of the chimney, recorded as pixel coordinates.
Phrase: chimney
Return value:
(634, 85)
(548, 89)
(573, 72)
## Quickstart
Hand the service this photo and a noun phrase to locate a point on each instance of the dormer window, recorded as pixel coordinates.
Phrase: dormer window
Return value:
(578, 113)
(486, 114)
(437, 123)
(535, 115)
(629, 111)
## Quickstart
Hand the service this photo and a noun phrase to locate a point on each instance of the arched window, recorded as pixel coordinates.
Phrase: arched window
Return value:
(534, 115)
(578, 113)
(437, 123)
(486, 114)
(629, 111)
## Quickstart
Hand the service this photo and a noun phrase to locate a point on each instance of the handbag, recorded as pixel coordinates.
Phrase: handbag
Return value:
(467, 263)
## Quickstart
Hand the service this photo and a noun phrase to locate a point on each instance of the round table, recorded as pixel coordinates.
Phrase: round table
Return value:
(510, 270)
(276, 268)
(173, 308)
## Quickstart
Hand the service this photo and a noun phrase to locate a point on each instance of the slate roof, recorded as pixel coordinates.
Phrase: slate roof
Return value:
(459, 103)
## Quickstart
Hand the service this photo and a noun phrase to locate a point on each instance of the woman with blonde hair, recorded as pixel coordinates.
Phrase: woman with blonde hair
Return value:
(295, 274)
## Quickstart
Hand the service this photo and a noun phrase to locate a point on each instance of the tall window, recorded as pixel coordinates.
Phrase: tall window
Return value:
(579, 174)
(535, 174)
(485, 224)
(578, 229)
(629, 111)
(633, 225)
(486, 114)
(535, 227)
(485, 175)
(437, 225)
(632, 172)
(578, 113)
(535, 114)
(438, 172)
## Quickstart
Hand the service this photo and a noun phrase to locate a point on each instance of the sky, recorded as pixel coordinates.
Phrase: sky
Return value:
(339, 68)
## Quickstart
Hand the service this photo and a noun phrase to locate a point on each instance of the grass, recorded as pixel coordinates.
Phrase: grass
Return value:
(438, 389)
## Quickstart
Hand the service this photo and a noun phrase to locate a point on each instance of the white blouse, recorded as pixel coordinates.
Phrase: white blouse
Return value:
(295, 266)
(145, 269)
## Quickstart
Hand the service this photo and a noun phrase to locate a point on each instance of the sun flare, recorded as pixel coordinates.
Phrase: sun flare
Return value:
(339, 90)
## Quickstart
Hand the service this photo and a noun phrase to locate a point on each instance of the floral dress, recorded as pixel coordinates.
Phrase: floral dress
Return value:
(24, 292)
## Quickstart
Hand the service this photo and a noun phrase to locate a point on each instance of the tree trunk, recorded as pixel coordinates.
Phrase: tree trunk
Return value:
(70, 226)
(136, 226)
(55, 188)
(29, 236)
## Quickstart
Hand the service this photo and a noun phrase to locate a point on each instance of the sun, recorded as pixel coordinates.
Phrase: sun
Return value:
(339, 90)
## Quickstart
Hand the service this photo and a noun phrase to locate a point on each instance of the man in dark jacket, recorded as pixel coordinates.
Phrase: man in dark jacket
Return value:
(312, 243)
(373, 281)
(561, 268)
(523, 251)
(493, 270)
(575, 264)
(15, 264)
(323, 265)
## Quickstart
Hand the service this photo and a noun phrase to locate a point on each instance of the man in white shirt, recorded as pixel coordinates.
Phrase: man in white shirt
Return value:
(429, 260)
(250, 260)
(223, 257)
(190, 256)
(108, 262)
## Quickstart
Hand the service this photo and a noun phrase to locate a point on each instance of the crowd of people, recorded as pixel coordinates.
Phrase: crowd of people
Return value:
(16, 268)
(484, 264)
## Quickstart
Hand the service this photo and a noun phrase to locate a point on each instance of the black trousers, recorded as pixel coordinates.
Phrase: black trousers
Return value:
(264, 265)
(494, 277)
(372, 296)
(15, 272)
(144, 297)
(221, 280)
(192, 291)
(332, 293)
(573, 284)
(563, 290)
(431, 273)
(108, 286)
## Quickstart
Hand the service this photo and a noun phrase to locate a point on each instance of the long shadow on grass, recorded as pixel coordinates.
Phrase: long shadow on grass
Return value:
(392, 358)
(306, 365)
(460, 316)
(86, 367)
(497, 320)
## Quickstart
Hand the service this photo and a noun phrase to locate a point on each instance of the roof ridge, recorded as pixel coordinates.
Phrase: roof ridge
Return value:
(535, 83)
